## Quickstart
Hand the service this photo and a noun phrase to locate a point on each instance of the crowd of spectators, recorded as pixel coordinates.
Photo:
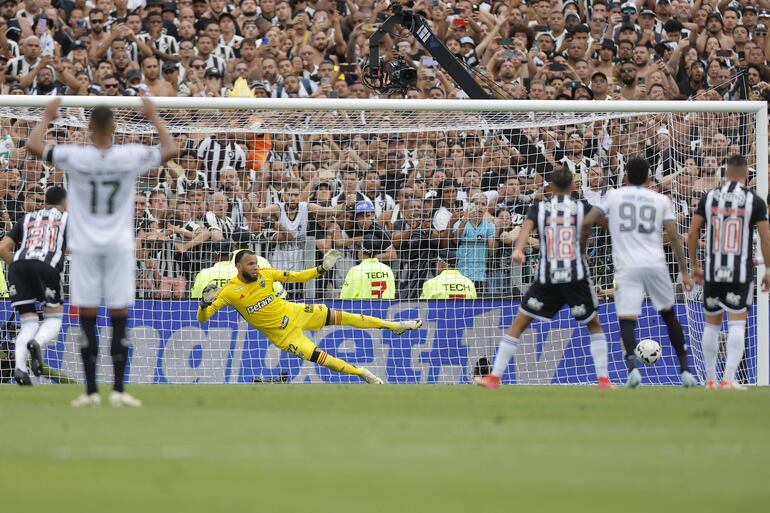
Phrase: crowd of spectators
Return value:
(465, 193)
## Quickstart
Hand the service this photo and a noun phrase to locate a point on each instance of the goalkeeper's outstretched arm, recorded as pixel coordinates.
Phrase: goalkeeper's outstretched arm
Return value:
(330, 260)
(211, 302)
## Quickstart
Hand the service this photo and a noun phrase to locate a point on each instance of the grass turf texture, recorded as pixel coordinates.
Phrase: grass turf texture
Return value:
(392, 449)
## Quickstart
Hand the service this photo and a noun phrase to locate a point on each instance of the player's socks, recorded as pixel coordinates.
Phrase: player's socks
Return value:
(735, 346)
(627, 328)
(505, 352)
(89, 350)
(330, 362)
(676, 335)
(710, 350)
(599, 354)
(362, 321)
(49, 329)
(27, 330)
(119, 351)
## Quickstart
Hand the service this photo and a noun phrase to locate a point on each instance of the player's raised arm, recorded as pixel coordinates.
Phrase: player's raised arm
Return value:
(330, 260)
(168, 147)
(36, 140)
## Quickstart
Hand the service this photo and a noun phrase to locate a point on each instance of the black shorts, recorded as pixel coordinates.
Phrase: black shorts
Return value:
(545, 301)
(733, 297)
(33, 281)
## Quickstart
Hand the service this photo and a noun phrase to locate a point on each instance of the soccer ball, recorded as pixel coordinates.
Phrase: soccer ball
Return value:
(648, 351)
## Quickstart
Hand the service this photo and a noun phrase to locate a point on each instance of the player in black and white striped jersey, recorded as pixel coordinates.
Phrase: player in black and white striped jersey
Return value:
(34, 275)
(101, 179)
(729, 214)
(561, 278)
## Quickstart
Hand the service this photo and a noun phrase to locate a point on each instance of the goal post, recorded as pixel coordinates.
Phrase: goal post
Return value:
(496, 153)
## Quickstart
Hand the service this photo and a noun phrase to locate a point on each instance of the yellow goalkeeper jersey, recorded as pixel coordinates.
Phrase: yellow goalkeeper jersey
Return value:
(222, 272)
(258, 303)
(371, 279)
(450, 284)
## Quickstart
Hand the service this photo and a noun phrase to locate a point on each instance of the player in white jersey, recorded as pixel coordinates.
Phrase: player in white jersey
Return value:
(101, 178)
(637, 218)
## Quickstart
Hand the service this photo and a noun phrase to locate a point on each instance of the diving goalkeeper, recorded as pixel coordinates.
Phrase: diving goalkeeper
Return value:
(282, 322)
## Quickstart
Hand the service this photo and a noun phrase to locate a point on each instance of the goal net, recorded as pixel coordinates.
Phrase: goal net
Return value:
(424, 186)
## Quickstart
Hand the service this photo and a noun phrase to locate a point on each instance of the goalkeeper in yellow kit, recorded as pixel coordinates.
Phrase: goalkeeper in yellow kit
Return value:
(282, 322)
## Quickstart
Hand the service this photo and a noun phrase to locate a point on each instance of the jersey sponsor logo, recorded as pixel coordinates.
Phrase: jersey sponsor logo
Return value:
(569, 207)
(712, 302)
(377, 274)
(723, 274)
(534, 304)
(561, 275)
(260, 305)
(238, 289)
(738, 196)
(733, 298)
(284, 321)
(308, 308)
(455, 287)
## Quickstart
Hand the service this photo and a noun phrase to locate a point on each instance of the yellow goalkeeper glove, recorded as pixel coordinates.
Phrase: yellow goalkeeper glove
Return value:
(330, 260)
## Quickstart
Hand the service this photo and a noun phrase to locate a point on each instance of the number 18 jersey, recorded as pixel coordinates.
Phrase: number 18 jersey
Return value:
(636, 217)
(558, 221)
(100, 193)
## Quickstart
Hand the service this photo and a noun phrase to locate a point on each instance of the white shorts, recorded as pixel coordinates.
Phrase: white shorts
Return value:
(632, 284)
(109, 277)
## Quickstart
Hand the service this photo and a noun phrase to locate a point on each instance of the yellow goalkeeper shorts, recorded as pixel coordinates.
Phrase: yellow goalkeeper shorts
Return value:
(294, 341)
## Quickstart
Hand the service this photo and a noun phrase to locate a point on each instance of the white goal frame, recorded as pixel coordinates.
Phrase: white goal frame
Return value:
(759, 109)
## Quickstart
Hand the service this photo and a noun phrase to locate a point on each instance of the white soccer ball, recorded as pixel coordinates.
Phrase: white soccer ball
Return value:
(648, 351)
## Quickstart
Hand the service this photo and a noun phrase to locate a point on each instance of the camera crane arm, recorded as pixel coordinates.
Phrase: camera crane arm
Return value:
(381, 76)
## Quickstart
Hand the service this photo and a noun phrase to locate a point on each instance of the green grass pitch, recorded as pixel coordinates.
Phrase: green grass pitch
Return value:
(316, 448)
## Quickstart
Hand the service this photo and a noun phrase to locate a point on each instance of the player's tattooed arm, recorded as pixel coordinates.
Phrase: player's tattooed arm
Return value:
(693, 236)
(678, 249)
(593, 216)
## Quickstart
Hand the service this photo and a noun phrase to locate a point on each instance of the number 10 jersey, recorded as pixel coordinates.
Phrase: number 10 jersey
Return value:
(730, 212)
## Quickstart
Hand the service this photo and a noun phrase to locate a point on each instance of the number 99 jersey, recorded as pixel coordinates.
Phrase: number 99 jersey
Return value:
(636, 216)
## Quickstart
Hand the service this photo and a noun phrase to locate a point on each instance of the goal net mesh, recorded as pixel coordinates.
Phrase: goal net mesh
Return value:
(420, 173)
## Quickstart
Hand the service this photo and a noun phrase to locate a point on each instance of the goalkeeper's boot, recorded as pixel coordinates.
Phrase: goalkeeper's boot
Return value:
(120, 399)
(711, 384)
(371, 378)
(36, 358)
(634, 379)
(688, 380)
(489, 381)
(404, 326)
(604, 383)
(22, 378)
(731, 385)
(87, 401)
